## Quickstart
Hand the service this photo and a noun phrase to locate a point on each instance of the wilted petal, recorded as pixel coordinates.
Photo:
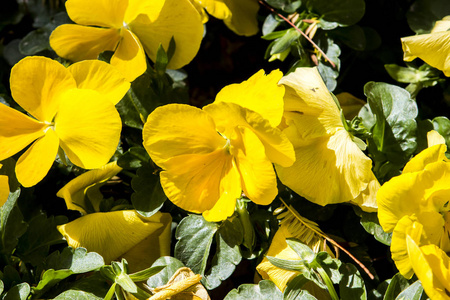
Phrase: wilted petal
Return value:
(101, 77)
(88, 126)
(113, 234)
(258, 177)
(78, 42)
(129, 57)
(260, 93)
(178, 129)
(17, 131)
(74, 192)
(227, 116)
(37, 83)
(104, 13)
(178, 19)
(35, 163)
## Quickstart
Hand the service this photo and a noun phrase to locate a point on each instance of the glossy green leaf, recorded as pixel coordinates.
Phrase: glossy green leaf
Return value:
(301, 249)
(195, 236)
(412, 292)
(344, 12)
(18, 292)
(294, 290)
(264, 290)
(133, 158)
(149, 196)
(146, 274)
(284, 42)
(330, 265)
(77, 295)
(327, 71)
(352, 284)
(353, 36)
(396, 286)
(77, 260)
(171, 266)
(288, 6)
(371, 224)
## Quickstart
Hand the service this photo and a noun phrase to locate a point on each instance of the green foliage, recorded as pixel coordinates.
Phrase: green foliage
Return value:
(352, 284)
(264, 290)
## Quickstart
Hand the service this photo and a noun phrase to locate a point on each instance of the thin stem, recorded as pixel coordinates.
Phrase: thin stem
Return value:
(301, 32)
(327, 280)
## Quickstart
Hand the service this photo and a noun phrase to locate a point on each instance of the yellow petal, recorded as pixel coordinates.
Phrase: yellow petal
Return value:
(258, 177)
(151, 8)
(243, 18)
(77, 42)
(101, 77)
(434, 138)
(88, 126)
(228, 116)
(193, 132)
(74, 192)
(261, 93)
(17, 131)
(113, 234)
(129, 57)
(178, 19)
(335, 164)
(4, 189)
(430, 155)
(441, 25)
(196, 182)
(350, 105)
(37, 83)
(432, 48)
(198, 5)
(407, 226)
(35, 163)
(367, 199)
(105, 13)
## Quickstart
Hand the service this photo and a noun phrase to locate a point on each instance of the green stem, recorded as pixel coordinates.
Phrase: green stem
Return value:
(244, 217)
(327, 280)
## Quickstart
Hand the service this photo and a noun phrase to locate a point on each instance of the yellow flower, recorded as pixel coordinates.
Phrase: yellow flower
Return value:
(68, 109)
(239, 15)
(131, 29)
(432, 48)
(329, 167)
(87, 185)
(209, 156)
(122, 234)
(4, 188)
(419, 195)
(432, 267)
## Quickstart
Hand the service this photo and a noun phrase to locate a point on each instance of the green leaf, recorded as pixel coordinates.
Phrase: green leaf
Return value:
(77, 295)
(288, 264)
(301, 249)
(284, 42)
(231, 231)
(92, 287)
(194, 235)
(270, 23)
(148, 196)
(394, 132)
(371, 224)
(133, 158)
(329, 73)
(352, 284)
(423, 14)
(330, 265)
(12, 226)
(264, 290)
(412, 292)
(146, 274)
(49, 279)
(288, 6)
(224, 262)
(18, 292)
(442, 125)
(353, 36)
(412, 75)
(34, 245)
(171, 266)
(344, 12)
(130, 109)
(77, 260)
(396, 286)
(294, 290)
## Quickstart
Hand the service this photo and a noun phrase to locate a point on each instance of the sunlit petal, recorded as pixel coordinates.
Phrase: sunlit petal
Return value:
(106, 13)
(406, 226)
(74, 192)
(78, 42)
(88, 126)
(430, 155)
(4, 189)
(151, 8)
(178, 19)
(102, 77)
(178, 129)
(367, 199)
(37, 83)
(113, 234)
(35, 163)
(129, 57)
(434, 138)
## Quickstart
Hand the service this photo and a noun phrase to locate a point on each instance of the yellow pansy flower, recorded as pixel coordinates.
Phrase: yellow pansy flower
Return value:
(122, 234)
(131, 28)
(329, 167)
(419, 195)
(432, 267)
(433, 48)
(68, 109)
(88, 185)
(4, 188)
(239, 15)
(210, 155)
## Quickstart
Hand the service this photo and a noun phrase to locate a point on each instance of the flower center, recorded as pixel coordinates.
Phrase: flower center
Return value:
(50, 125)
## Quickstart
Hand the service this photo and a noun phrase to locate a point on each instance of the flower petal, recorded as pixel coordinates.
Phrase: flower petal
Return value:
(74, 192)
(36, 84)
(35, 163)
(105, 13)
(101, 77)
(434, 138)
(258, 177)
(430, 155)
(4, 189)
(194, 132)
(243, 19)
(407, 226)
(432, 48)
(17, 131)
(129, 57)
(152, 8)
(113, 234)
(88, 126)
(77, 42)
(178, 19)
(228, 116)
(350, 104)
(260, 93)
(335, 164)
(367, 199)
